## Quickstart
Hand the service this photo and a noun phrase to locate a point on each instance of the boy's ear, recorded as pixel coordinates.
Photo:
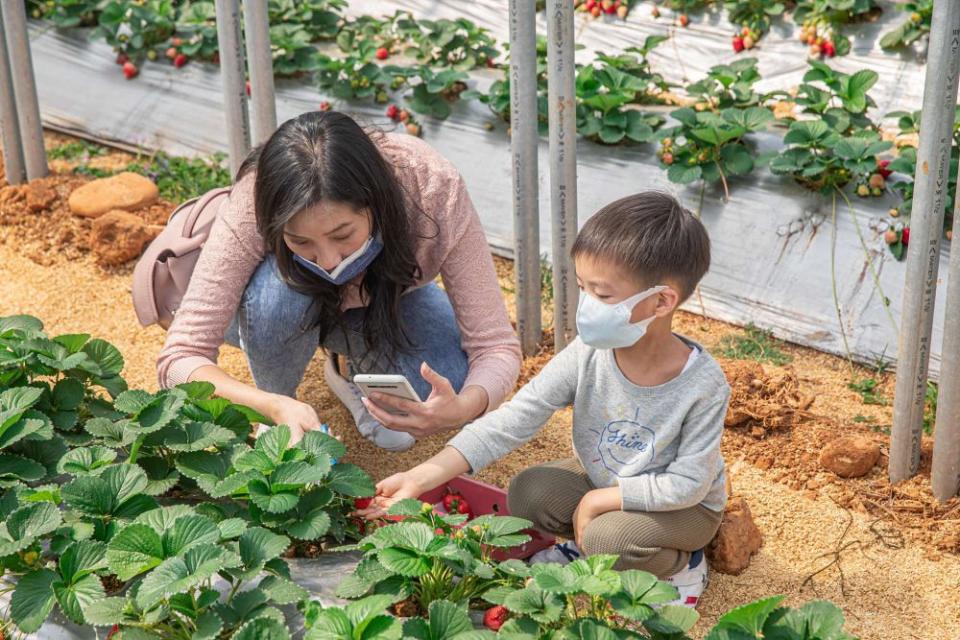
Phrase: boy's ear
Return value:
(667, 302)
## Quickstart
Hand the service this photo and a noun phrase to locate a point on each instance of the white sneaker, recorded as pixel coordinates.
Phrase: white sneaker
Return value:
(560, 553)
(368, 426)
(690, 581)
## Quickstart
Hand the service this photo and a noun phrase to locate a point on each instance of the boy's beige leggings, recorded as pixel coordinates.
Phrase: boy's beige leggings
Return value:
(659, 542)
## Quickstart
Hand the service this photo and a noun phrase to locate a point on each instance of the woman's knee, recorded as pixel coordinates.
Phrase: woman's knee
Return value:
(272, 316)
(431, 325)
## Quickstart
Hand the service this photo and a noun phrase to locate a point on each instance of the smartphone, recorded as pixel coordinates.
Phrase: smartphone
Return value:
(394, 385)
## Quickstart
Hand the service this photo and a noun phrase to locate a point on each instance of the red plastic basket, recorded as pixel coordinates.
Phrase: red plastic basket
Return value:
(487, 499)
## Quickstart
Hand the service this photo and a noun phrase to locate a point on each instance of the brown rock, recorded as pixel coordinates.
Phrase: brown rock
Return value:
(40, 197)
(125, 191)
(765, 463)
(850, 456)
(119, 236)
(737, 539)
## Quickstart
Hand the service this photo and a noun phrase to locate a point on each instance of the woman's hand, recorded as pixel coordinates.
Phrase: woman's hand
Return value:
(299, 416)
(444, 409)
(390, 491)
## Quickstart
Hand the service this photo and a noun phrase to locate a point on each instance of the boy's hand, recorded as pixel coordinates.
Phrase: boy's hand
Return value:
(390, 491)
(593, 505)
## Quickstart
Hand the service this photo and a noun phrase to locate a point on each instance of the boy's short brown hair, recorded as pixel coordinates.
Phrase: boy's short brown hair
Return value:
(652, 236)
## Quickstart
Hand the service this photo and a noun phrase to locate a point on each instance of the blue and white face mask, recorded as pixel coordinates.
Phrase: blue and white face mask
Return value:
(608, 326)
(350, 267)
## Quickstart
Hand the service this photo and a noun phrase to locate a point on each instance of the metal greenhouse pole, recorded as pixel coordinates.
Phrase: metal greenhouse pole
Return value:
(524, 141)
(563, 166)
(24, 89)
(229, 39)
(256, 20)
(9, 126)
(933, 165)
(945, 476)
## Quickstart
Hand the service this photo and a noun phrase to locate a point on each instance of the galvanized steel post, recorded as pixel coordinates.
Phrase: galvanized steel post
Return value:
(24, 89)
(524, 142)
(563, 165)
(13, 167)
(945, 476)
(229, 38)
(930, 191)
(256, 21)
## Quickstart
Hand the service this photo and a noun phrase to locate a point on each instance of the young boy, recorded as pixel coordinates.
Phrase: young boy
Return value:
(647, 482)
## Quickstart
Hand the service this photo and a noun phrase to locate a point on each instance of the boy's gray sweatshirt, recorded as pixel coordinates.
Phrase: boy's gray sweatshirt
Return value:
(660, 445)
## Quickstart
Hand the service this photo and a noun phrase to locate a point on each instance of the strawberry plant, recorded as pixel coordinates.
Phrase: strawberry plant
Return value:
(459, 44)
(633, 61)
(916, 26)
(727, 85)
(292, 51)
(588, 596)
(364, 619)
(602, 93)
(390, 33)
(709, 146)
(820, 158)
(753, 18)
(66, 13)
(822, 22)
(321, 19)
(905, 168)
(357, 77)
(196, 32)
(841, 99)
(171, 556)
(432, 556)
(435, 90)
(135, 30)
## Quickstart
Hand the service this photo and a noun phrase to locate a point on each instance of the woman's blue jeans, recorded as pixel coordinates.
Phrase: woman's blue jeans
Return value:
(269, 328)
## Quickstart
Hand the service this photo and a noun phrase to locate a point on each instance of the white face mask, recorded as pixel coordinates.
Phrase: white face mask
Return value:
(608, 326)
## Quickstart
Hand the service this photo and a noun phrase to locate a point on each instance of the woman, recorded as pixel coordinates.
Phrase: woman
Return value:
(332, 237)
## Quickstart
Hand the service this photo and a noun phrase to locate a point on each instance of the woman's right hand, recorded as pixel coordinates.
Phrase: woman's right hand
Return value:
(299, 416)
(390, 491)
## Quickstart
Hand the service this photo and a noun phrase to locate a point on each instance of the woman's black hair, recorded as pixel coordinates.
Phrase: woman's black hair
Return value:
(326, 155)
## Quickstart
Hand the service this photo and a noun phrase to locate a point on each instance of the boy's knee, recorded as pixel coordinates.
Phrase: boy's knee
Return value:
(529, 498)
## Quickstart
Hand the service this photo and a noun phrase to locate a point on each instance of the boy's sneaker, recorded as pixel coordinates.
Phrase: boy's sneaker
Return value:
(368, 426)
(560, 553)
(690, 581)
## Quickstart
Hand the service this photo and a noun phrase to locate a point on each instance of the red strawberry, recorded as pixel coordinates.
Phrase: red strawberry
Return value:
(440, 532)
(130, 70)
(882, 168)
(451, 501)
(590, 5)
(828, 49)
(247, 86)
(905, 236)
(113, 631)
(362, 503)
(171, 53)
(382, 53)
(737, 44)
(122, 58)
(684, 20)
(494, 617)
(464, 508)
(325, 106)
(180, 60)
(393, 111)
(610, 10)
